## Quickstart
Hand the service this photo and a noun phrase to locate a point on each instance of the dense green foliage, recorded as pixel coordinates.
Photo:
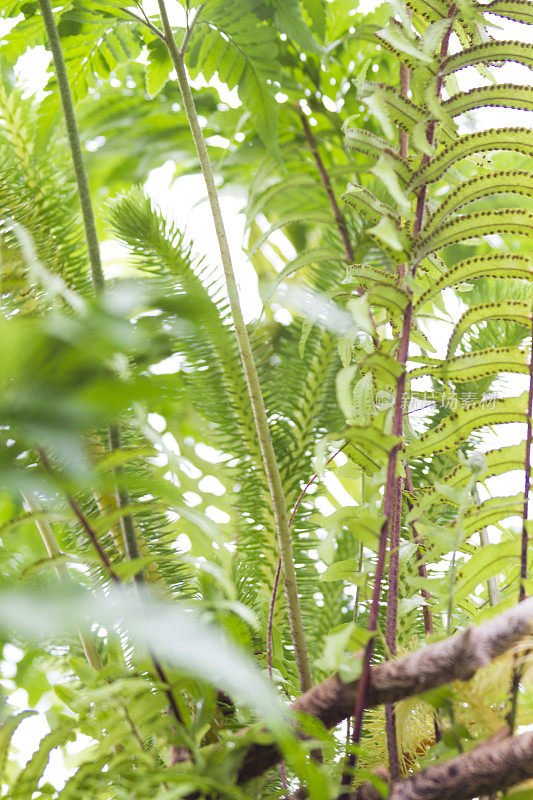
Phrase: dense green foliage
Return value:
(360, 252)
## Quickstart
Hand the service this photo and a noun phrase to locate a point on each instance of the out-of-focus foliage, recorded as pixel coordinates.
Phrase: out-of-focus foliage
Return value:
(155, 354)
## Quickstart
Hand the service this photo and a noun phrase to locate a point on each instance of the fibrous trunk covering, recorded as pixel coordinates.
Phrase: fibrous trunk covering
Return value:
(491, 767)
(456, 658)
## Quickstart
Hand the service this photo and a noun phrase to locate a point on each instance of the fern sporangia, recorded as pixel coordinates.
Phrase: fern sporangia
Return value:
(355, 441)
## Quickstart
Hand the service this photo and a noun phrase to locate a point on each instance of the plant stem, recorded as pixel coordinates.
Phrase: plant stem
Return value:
(86, 525)
(518, 664)
(127, 526)
(131, 545)
(392, 620)
(378, 576)
(493, 591)
(144, 21)
(271, 619)
(422, 571)
(430, 134)
(126, 522)
(190, 29)
(276, 579)
(104, 558)
(527, 477)
(52, 548)
(391, 630)
(358, 587)
(391, 469)
(75, 145)
(337, 213)
(250, 372)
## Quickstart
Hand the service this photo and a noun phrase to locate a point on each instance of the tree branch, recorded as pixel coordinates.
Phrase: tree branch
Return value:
(489, 767)
(455, 658)
(250, 371)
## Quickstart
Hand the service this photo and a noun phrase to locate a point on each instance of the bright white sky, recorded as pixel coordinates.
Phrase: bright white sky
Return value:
(185, 201)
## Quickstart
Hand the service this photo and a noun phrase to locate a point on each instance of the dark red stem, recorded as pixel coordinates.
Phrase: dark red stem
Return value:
(391, 470)
(396, 523)
(337, 213)
(104, 558)
(86, 525)
(422, 571)
(518, 664)
(421, 199)
(271, 618)
(527, 478)
(392, 620)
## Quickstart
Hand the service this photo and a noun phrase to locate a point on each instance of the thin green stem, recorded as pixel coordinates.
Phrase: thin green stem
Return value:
(75, 145)
(144, 21)
(457, 541)
(250, 372)
(126, 522)
(190, 29)
(131, 545)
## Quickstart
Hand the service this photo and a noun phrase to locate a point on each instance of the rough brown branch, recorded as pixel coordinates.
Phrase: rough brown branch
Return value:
(492, 766)
(455, 658)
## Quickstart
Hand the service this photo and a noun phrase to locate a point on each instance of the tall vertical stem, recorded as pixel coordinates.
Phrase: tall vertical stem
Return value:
(126, 522)
(131, 545)
(395, 523)
(527, 477)
(249, 368)
(393, 459)
(75, 145)
(518, 665)
(392, 620)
